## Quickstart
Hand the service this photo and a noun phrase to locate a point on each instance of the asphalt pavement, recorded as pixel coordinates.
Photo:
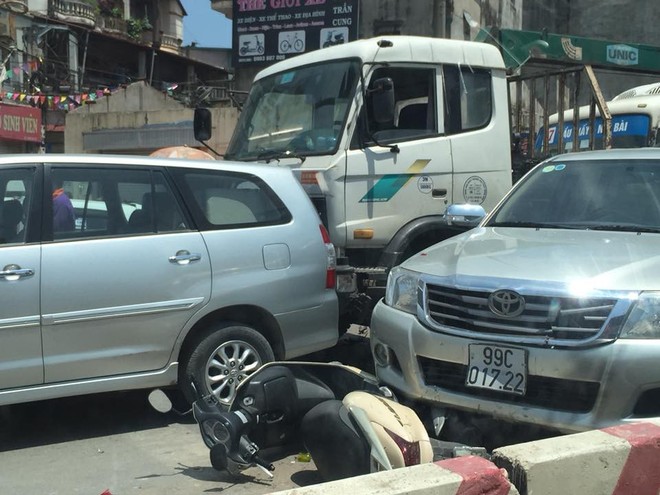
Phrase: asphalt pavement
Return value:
(116, 444)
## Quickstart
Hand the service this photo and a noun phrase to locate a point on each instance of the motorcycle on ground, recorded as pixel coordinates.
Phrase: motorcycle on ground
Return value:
(339, 414)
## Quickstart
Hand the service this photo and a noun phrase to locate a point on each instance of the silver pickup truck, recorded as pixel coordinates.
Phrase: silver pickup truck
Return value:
(548, 312)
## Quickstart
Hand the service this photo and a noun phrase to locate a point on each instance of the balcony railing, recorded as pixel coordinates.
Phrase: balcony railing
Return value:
(111, 23)
(16, 6)
(170, 42)
(73, 11)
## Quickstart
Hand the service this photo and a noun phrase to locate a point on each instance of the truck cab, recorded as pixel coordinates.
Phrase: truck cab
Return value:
(384, 134)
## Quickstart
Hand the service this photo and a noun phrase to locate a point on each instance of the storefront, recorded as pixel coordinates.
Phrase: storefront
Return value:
(21, 129)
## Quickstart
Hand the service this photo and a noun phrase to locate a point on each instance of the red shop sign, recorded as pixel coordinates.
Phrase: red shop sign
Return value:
(20, 123)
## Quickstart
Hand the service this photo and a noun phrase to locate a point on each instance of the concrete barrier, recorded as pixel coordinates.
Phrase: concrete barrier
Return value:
(621, 460)
(460, 476)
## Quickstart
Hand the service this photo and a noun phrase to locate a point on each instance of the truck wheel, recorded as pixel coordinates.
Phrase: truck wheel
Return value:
(221, 359)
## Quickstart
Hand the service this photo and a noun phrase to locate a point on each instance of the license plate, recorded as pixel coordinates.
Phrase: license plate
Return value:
(497, 368)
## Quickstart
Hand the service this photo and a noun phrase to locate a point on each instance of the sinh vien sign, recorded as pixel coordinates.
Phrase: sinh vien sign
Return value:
(622, 55)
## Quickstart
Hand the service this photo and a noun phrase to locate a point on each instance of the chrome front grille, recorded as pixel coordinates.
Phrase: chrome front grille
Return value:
(544, 318)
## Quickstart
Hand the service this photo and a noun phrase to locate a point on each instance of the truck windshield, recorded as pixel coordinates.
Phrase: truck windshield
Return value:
(298, 112)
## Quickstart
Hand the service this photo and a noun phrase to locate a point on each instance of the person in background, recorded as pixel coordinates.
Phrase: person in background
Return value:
(64, 218)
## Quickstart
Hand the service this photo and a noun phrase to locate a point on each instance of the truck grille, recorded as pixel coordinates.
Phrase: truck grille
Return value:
(549, 393)
(544, 318)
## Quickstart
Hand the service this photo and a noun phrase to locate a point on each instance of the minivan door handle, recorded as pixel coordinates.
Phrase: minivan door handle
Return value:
(184, 257)
(14, 272)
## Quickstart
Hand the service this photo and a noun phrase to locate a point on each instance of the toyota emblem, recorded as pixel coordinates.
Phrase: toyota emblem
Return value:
(506, 303)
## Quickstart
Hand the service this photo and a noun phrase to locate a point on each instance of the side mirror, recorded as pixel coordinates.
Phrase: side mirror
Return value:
(464, 215)
(382, 100)
(202, 124)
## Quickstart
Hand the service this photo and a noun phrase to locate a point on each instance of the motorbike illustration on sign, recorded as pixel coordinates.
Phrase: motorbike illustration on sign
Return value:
(252, 43)
(334, 36)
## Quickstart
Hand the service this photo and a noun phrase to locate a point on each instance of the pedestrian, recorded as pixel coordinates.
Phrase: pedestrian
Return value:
(64, 218)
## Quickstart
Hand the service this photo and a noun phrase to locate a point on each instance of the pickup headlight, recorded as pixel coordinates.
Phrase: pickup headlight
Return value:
(401, 292)
(644, 319)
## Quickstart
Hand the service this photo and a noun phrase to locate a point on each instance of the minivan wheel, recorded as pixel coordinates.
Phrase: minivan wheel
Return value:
(222, 359)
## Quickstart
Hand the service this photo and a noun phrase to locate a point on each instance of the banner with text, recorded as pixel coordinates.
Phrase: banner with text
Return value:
(20, 123)
(267, 31)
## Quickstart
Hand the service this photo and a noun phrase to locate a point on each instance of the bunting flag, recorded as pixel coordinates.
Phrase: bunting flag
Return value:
(61, 102)
(58, 102)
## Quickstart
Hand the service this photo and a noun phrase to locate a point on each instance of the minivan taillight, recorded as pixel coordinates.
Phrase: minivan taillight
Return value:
(331, 264)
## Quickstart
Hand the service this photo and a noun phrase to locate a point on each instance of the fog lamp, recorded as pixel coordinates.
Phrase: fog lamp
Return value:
(382, 354)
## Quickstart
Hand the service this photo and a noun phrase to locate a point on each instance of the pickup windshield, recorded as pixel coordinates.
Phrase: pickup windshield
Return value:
(298, 112)
(613, 194)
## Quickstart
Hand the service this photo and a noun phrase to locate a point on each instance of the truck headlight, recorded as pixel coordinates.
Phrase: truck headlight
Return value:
(401, 292)
(644, 319)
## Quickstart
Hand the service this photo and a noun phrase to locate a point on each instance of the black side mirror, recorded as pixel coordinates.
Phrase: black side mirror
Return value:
(202, 124)
(382, 100)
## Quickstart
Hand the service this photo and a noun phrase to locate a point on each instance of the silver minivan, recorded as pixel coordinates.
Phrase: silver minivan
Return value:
(548, 312)
(127, 272)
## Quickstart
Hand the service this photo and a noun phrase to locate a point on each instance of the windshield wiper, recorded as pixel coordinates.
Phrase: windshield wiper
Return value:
(270, 155)
(533, 225)
(625, 228)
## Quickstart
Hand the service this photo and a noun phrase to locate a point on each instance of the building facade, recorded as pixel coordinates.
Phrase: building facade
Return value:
(63, 58)
(614, 20)
(436, 18)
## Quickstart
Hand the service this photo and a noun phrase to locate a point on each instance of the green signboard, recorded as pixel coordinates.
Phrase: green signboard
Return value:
(518, 47)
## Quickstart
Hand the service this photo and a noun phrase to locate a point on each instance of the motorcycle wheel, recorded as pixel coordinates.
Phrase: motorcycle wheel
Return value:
(260, 50)
(243, 51)
(220, 359)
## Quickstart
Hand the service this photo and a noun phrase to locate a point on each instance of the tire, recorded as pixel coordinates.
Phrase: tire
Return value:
(285, 46)
(298, 45)
(221, 359)
(260, 50)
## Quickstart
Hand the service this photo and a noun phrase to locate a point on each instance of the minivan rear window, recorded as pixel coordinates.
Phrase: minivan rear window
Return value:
(231, 200)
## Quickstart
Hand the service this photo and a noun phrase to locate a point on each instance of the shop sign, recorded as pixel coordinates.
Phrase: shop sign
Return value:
(20, 123)
(267, 31)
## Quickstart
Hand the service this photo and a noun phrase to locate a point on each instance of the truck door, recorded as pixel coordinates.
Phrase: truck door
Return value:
(476, 117)
(410, 174)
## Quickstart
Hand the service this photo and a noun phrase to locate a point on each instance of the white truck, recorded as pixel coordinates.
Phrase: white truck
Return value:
(384, 134)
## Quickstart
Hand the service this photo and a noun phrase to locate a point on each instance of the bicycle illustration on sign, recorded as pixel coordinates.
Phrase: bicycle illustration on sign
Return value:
(292, 42)
(251, 44)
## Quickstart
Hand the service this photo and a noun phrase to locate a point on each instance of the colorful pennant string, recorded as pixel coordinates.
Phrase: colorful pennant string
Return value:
(56, 102)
